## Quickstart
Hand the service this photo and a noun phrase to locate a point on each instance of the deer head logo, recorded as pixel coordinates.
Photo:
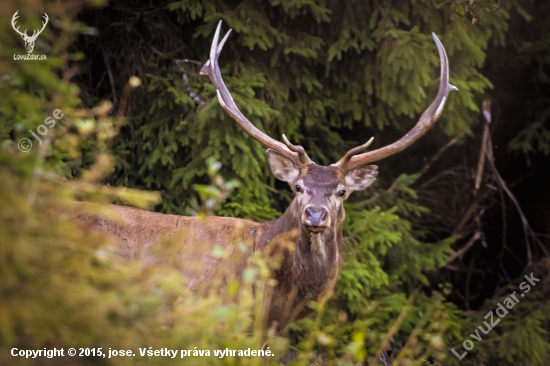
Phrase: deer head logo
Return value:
(29, 40)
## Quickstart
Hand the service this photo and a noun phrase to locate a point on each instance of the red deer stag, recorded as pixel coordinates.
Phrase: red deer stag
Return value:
(316, 214)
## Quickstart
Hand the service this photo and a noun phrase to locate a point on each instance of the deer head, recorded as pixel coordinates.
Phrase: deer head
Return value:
(320, 191)
(29, 40)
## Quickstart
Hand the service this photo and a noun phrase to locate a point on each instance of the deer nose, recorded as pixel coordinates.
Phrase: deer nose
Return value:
(316, 216)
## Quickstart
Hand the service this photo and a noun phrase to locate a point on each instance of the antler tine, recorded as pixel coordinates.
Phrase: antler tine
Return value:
(44, 23)
(298, 149)
(13, 19)
(212, 69)
(351, 153)
(426, 121)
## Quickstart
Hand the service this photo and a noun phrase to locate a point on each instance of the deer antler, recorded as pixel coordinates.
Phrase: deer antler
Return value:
(13, 19)
(43, 25)
(352, 161)
(24, 34)
(212, 69)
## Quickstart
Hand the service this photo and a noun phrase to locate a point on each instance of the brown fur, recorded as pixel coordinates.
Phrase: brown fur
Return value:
(306, 274)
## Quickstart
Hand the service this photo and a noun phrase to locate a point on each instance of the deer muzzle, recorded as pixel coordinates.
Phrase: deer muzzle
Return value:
(316, 218)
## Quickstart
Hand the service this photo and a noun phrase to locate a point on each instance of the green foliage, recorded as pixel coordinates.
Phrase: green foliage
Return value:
(534, 138)
(520, 337)
(62, 289)
(328, 75)
(297, 68)
(535, 54)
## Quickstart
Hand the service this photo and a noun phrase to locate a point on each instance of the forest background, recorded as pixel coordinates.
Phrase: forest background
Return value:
(448, 231)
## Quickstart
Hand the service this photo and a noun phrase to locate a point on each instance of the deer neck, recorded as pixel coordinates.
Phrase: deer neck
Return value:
(307, 273)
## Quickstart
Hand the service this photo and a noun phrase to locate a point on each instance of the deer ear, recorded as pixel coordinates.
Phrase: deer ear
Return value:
(360, 178)
(282, 167)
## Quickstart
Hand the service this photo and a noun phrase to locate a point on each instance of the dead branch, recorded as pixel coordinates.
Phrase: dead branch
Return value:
(527, 230)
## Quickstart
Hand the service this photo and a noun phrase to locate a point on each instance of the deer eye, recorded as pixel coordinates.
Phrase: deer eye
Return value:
(341, 193)
(298, 188)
